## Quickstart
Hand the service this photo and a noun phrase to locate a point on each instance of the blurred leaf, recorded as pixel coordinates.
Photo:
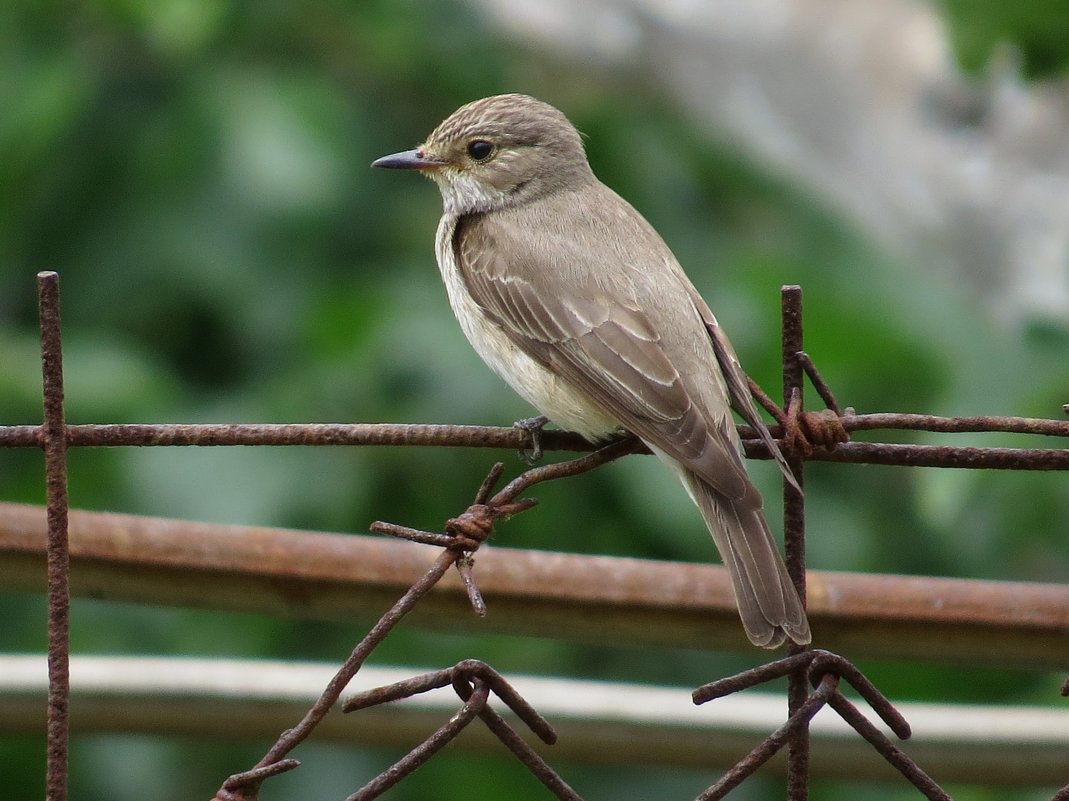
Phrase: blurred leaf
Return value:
(1039, 29)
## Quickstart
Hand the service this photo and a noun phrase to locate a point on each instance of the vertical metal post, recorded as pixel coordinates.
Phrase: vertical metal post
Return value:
(54, 444)
(794, 538)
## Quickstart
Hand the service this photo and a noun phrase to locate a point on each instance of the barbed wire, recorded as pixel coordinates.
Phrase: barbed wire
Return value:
(804, 436)
(469, 436)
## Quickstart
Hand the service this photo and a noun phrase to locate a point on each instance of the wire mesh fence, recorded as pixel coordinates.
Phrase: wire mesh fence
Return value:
(814, 675)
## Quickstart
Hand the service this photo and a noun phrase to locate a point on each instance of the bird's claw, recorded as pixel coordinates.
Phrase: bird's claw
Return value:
(533, 426)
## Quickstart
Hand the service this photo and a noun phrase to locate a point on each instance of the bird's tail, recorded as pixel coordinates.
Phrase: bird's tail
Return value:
(768, 603)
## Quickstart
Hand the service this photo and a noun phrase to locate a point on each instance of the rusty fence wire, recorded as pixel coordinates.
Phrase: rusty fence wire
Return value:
(815, 676)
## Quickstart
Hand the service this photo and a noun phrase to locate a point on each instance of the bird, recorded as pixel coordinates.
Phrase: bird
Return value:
(568, 294)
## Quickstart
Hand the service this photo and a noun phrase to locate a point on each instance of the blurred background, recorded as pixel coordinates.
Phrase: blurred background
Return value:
(197, 172)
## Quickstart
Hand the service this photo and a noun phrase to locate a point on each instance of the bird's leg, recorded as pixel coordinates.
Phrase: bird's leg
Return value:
(533, 426)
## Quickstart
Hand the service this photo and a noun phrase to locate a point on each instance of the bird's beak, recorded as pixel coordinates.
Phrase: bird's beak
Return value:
(408, 160)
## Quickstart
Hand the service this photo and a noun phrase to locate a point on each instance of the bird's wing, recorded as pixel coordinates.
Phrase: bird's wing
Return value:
(738, 388)
(606, 347)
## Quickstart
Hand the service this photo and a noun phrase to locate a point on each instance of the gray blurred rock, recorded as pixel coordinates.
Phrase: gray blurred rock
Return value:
(862, 104)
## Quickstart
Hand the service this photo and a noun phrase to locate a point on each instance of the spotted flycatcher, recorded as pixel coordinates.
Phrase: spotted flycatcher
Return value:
(570, 296)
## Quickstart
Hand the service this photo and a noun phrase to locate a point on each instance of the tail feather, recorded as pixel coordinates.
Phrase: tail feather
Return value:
(768, 603)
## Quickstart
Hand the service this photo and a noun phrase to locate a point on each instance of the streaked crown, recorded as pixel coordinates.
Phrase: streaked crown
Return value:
(504, 150)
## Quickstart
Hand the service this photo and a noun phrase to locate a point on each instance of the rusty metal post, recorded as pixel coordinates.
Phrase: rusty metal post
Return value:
(794, 539)
(54, 443)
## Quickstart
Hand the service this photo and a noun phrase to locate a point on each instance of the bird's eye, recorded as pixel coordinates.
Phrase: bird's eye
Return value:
(480, 149)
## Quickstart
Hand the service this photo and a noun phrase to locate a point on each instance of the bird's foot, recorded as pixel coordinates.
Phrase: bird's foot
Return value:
(533, 426)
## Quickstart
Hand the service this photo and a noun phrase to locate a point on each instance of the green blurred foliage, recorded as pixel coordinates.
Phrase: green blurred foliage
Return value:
(1037, 29)
(197, 173)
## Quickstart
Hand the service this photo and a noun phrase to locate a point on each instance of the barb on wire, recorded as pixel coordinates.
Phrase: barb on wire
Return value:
(819, 665)
(819, 384)
(476, 523)
(460, 677)
(259, 774)
(800, 430)
(418, 756)
(473, 682)
(245, 786)
(464, 534)
(474, 526)
(768, 747)
(464, 567)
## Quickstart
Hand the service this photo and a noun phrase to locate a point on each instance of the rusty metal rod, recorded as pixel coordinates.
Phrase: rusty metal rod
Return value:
(796, 737)
(550, 779)
(54, 443)
(935, 456)
(955, 425)
(471, 529)
(888, 750)
(389, 434)
(215, 434)
(768, 747)
(245, 785)
(422, 753)
(312, 575)
(465, 436)
(467, 678)
(54, 437)
(825, 662)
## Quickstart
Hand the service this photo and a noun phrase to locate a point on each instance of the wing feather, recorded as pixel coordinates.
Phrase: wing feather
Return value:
(608, 349)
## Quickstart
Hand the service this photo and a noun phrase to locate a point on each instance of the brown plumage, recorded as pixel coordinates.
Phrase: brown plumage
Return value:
(570, 295)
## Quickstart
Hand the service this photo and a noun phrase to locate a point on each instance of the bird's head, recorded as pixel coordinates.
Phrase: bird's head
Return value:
(498, 152)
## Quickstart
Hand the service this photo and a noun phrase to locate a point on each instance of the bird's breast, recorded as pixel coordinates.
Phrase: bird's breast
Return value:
(550, 394)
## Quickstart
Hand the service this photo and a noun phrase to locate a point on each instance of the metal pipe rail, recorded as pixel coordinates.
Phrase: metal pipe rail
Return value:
(598, 722)
(605, 599)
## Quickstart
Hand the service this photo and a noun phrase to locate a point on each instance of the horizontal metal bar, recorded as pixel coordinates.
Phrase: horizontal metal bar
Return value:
(214, 434)
(590, 598)
(936, 456)
(955, 425)
(596, 721)
(390, 434)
